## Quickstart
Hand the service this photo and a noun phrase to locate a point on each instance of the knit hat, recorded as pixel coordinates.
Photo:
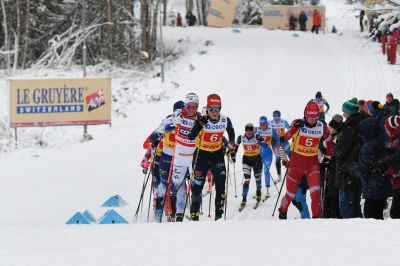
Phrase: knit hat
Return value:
(336, 121)
(350, 107)
(374, 107)
(391, 124)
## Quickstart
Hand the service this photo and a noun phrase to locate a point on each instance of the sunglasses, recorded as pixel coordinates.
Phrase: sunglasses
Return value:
(214, 109)
(312, 120)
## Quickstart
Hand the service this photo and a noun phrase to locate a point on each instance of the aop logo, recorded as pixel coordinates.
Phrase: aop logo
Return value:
(95, 100)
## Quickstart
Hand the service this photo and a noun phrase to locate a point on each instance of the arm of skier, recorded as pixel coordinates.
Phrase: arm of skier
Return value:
(292, 130)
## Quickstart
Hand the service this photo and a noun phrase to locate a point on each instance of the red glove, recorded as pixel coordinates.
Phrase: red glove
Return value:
(145, 165)
(285, 163)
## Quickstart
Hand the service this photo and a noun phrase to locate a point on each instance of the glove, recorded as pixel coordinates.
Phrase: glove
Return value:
(232, 149)
(178, 120)
(145, 166)
(379, 168)
(233, 157)
(299, 123)
(203, 120)
(285, 163)
(326, 162)
(282, 141)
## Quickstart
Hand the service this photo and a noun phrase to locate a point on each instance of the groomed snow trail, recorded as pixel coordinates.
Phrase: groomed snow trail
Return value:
(256, 72)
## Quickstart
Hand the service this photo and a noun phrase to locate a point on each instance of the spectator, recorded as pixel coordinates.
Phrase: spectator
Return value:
(179, 20)
(292, 22)
(362, 108)
(346, 153)
(362, 14)
(392, 127)
(391, 106)
(330, 206)
(375, 183)
(302, 20)
(190, 19)
(316, 21)
(375, 109)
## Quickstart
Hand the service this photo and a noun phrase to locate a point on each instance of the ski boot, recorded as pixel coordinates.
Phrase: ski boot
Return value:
(179, 217)
(258, 195)
(282, 214)
(242, 204)
(194, 216)
(159, 209)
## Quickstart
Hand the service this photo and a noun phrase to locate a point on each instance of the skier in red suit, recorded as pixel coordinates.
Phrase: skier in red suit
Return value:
(307, 134)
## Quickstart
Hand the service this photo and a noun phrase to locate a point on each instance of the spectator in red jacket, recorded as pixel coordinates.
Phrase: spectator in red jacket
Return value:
(179, 20)
(316, 21)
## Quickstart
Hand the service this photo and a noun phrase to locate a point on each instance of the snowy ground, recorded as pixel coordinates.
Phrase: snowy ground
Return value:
(255, 71)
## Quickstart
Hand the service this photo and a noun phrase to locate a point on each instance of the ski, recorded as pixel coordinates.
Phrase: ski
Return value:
(187, 216)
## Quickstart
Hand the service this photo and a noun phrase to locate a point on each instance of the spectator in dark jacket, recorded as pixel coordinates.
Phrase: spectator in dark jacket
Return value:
(302, 20)
(292, 22)
(190, 19)
(375, 183)
(375, 109)
(392, 127)
(346, 154)
(391, 106)
(330, 197)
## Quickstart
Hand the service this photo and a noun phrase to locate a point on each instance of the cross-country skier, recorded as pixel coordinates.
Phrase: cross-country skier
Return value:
(271, 138)
(280, 125)
(304, 159)
(321, 104)
(209, 154)
(184, 150)
(251, 159)
(167, 130)
(154, 147)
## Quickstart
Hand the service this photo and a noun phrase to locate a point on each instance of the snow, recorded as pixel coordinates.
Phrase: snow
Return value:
(255, 71)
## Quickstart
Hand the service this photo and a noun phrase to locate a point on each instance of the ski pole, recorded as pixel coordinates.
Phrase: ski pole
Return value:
(226, 189)
(143, 190)
(150, 194)
(210, 182)
(279, 194)
(188, 185)
(282, 154)
(234, 176)
(273, 181)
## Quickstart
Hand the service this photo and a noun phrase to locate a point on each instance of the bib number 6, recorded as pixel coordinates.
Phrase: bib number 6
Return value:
(214, 138)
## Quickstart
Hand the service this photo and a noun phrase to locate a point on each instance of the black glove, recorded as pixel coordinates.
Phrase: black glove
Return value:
(299, 123)
(379, 168)
(259, 138)
(203, 119)
(326, 162)
(233, 157)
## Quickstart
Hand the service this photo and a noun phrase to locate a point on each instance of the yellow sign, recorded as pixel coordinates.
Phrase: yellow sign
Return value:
(221, 13)
(277, 16)
(56, 102)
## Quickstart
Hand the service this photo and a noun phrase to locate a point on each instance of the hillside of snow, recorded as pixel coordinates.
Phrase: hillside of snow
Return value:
(255, 71)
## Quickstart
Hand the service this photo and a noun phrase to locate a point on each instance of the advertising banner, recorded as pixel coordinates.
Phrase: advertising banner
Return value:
(58, 102)
(221, 13)
(277, 16)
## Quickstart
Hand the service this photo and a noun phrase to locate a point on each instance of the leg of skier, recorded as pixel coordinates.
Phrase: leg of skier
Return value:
(313, 179)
